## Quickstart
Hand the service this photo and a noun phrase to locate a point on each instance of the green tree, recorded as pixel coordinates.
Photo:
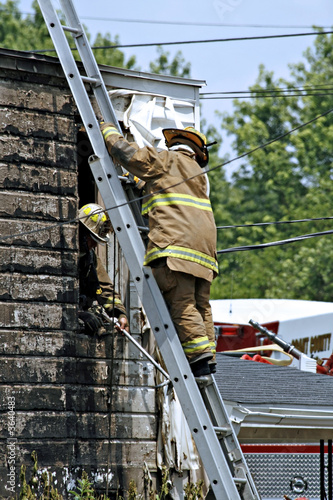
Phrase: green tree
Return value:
(163, 66)
(30, 33)
(289, 179)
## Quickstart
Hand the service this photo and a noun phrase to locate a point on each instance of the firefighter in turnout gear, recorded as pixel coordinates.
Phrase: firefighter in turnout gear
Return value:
(96, 288)
(182, 233)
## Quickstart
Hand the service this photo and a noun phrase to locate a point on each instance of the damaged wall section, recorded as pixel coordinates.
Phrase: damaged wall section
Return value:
(59, 379)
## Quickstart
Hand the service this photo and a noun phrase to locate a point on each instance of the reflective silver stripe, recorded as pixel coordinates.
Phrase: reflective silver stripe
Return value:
(176, 199)
(109, 131)
(182, 253)
(195, 345)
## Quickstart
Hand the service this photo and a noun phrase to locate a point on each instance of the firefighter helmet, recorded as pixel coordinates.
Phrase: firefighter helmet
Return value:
(96, 220)
(191, 137)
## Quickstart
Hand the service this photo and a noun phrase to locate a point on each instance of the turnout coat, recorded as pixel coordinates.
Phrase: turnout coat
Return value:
(181, 222)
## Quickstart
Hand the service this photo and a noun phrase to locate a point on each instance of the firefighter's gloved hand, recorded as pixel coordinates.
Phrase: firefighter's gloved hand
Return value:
(92, 323)
(123, 323)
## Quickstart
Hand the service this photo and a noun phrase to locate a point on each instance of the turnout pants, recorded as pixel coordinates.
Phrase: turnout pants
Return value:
(187, 298)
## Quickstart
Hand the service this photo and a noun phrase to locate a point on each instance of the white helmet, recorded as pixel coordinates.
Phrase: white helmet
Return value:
(97, 221)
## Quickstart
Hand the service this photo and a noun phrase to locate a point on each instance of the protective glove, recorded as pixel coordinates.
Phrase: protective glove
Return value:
(92, 323)
(123, 323)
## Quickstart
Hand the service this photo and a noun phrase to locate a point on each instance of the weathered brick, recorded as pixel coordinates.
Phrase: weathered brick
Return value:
(38, 315)
(50, 453)
(126, 462)
(37, 206)
(14, 286)
(123, 452)
(36, 97)
(61, 379)
(47, 424)
(38, 179)
(37, 151)
(38, 234)
(34, 124)
(134, 399)
(28, 260)
(124, 399)
(129, 373)
(138, 400)
(101, 347)
(35, 370)
(37, 343)
(34, 397)
(59, 452)
(73, 371)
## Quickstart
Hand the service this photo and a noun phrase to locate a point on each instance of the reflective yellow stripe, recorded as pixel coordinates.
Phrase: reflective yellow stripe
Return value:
(109, 303)
(182, 253)
(109, 131)
(212, 347)
(176, 199)
(197, 345)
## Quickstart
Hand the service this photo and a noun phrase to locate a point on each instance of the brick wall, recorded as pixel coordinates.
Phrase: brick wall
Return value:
(56, 385)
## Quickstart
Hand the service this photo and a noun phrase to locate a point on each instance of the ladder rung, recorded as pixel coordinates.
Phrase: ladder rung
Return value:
(240, 480)
(90, 80)
(222, 430)
(72, 30)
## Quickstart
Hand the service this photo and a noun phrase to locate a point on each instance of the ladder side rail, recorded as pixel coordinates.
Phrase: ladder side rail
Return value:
(74, 78)
(216, 407)
(99, 89)
(168, 342)
(89, 62)
(78, 89)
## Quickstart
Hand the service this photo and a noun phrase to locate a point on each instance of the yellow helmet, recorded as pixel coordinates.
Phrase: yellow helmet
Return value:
(96, 220)
(191, 137)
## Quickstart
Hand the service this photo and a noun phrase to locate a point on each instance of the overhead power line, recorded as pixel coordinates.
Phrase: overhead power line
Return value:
(187, 42)
(188, 23)
(266, 96)
(304, 88)
(273, 243)
(270, 92)
(275, 222)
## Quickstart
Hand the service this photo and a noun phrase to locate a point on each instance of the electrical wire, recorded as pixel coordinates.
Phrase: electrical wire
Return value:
(264, 96)
(277, 92)
(135, 200)
(274, 243)
(286, 89)
(275, 222)
(187, 23)
(187, 42)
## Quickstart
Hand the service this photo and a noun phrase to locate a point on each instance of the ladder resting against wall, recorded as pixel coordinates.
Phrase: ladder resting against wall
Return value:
(201, 401)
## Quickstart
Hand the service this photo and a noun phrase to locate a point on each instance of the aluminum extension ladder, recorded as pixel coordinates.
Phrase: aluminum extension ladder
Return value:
(201, 401)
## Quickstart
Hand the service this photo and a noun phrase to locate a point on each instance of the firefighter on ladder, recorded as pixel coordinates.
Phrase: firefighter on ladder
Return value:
(182, 232)
(96, 289)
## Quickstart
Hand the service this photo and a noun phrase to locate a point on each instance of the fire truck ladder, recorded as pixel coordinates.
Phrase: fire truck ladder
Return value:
(201, 401)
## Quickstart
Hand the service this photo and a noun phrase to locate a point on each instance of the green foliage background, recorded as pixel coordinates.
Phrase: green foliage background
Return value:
(289, 179)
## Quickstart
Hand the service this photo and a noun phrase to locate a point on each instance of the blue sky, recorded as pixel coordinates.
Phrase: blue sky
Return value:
(231, 66)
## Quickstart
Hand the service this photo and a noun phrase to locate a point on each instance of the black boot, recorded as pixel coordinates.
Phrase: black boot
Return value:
(212, 367)
(200, 368)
